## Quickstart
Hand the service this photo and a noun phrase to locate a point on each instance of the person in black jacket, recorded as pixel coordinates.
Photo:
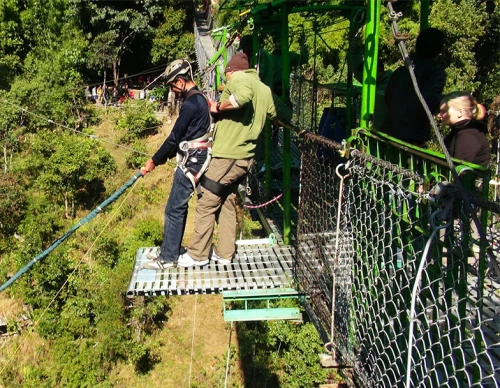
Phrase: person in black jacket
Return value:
(406, 118)
(467, 139)
(189, 141)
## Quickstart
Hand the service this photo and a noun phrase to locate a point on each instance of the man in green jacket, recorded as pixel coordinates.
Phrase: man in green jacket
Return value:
(241, 113)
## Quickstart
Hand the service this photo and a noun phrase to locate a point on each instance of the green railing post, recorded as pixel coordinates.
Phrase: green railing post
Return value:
(348, 113)
(370, 63)
(287, 192)
(267, 158)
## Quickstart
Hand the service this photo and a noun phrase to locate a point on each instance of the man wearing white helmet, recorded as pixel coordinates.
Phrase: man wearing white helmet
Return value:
(189, 141)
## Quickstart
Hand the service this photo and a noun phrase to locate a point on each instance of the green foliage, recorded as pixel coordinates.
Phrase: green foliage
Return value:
(12, 204)
(137, 119)
(106, 251)
(281, 353)
(135, 159)
(160, 92)
(147, 233)
(451, 17)
(488, 54)
(119, 29)
(68, 167)
(51, 85)
(172, 39)
(297, 347)
(40, 224)
(11, 42)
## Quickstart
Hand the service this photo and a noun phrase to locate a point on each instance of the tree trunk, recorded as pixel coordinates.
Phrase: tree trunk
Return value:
(66, 205)
(5, 157)
(115, 73)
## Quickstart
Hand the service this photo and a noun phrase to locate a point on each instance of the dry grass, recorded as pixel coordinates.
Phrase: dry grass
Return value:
(211, 337)
(211, 333)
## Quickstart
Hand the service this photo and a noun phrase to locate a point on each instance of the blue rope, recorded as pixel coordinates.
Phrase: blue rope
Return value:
(83, 221)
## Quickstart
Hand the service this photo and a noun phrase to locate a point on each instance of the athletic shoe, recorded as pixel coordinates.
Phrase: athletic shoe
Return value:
(187, 261)
(215, 257)
(153, 255)
(158, 264)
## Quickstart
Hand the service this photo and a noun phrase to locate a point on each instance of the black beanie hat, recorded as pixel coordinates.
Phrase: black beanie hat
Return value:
(237, 62)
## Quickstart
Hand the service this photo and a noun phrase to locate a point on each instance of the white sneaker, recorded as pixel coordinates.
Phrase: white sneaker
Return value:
(153, 255)
(187, 261)
(215, 257)
(158, 265)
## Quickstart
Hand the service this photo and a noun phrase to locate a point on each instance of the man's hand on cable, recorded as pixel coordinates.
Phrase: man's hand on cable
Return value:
(148, 166)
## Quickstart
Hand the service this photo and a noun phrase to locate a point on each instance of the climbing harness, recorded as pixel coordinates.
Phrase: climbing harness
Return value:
(189, 148)
(187, 152)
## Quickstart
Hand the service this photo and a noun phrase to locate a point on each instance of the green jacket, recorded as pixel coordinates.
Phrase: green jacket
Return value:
(237, 131)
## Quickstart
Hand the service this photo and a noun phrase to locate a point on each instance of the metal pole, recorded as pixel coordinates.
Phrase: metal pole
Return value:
(370, 62)
(349, 92)
(424, 14)
(287, 197)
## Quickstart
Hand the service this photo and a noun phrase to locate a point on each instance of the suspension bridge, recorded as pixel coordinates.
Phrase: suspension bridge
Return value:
(391, 249)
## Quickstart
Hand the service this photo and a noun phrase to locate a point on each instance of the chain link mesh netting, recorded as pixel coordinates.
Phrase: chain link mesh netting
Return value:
(413, 289)
(313, 103)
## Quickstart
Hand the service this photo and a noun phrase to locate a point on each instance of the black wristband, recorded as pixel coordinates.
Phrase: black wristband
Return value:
(217, 107)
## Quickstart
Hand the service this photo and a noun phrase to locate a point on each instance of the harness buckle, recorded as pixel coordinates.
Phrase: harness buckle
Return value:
(184, 146)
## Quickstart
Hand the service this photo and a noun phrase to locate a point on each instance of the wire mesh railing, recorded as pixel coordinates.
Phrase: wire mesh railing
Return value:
(416, 300)
(313, 102)
(210, 64)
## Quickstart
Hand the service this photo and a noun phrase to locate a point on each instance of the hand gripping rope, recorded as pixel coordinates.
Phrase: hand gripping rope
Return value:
(83, 221)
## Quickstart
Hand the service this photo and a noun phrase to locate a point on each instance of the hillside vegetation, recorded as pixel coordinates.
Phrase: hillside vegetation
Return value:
(68, 321)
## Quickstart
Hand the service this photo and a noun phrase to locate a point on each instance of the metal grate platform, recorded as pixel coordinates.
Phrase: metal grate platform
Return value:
(254, 267)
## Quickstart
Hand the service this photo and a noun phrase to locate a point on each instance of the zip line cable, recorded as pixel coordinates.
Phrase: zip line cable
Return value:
(149, 71)
(32, 328)
(82, 222)
(81, 132)
(192, 341)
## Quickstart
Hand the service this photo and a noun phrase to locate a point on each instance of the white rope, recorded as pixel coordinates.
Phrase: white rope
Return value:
(192, 341)
(228, 354)
(413, 311)
(336, 260)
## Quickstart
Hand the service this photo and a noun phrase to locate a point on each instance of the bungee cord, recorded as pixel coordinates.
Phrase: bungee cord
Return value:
(35, 324)
(75, 227)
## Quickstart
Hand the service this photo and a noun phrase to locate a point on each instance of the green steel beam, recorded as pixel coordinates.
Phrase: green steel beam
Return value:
(260, 314)
(285, 313)
(370, 62)
(349, 91)
(424, 14)
(259, 293)
(311, 8)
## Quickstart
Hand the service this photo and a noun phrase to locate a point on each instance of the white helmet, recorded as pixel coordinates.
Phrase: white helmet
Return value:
(176, 68)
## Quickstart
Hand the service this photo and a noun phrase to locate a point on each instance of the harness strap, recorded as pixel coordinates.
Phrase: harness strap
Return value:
(219, 189)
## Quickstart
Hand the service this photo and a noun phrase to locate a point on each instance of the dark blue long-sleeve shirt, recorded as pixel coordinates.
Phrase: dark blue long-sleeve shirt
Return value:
(193, 122)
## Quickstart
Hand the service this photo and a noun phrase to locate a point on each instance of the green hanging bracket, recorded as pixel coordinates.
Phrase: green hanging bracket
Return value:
(256, 305)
